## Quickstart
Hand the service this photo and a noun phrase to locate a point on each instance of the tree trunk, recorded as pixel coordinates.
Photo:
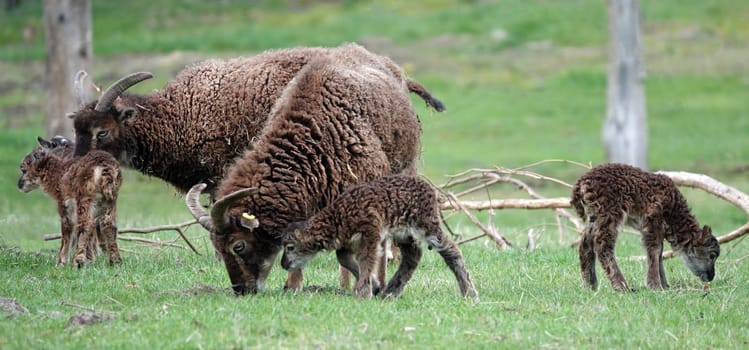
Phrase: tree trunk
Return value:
(67, 36)
(625, 130)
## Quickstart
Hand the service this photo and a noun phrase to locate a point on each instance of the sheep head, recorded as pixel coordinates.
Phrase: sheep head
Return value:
(97, 125)
(248, 256)
(296, 252)
(31, 173)
(700, 254)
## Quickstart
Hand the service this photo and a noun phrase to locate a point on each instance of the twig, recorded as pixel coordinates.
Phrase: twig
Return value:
(496, 237)
(177, 227)
(65, 303)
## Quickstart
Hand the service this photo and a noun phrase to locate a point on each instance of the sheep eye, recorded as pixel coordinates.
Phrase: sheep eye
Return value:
(102, 134)
(289, 248)
(238, 247)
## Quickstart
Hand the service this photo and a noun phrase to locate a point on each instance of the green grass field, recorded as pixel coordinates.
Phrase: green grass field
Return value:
(523, 81)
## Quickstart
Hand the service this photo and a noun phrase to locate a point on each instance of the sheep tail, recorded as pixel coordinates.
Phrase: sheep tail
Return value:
(420, 90)
(577, 200)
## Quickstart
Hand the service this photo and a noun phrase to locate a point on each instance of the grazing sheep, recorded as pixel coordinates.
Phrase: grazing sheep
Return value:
(85, 189)
(331, 128)
(403, 208)
(199, 123)
(611, 194)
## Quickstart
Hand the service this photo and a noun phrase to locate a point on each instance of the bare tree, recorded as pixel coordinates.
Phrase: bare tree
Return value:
(67, 36)
(625, 130)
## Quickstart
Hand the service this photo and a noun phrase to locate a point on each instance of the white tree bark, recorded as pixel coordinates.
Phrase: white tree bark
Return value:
(68, 39)
(625, 129)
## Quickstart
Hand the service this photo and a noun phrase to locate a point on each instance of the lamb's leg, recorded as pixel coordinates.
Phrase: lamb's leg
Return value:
(604, 242)
(84, 229)
(294, 280)
(410, 257)
(652, 240)
(383, 263)
(66, 230)
(454, 260)
(108, 228)
(588, 257)
(348, 266)
(367, 257)
(344, 277)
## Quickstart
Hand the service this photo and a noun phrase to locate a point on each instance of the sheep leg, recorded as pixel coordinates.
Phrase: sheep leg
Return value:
(652, 239)
(588, 258)
(383, 264)
(367, 258)
(294, 280)
(454, 260)
(604, 243)
(344, 277)
(410, 257)
(66, 230)
(348, 266)
(108, 230)
(83, 230)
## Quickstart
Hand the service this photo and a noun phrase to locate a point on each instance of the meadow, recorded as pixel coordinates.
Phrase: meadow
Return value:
(523, 81)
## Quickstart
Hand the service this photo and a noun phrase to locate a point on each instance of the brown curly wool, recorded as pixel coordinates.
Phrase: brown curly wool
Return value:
(193, 129)
(404, 208)
(610, 195)
(85, 190)
(334, 125)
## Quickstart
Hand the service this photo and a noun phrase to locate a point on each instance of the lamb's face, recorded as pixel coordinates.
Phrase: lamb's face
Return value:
(30, 178)
(296, 254)
(700, 256)
(248, 259)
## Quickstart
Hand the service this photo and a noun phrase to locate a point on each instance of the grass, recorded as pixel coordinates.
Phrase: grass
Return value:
(537, 94)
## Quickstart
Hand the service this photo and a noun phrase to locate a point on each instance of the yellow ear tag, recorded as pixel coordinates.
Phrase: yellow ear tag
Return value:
(248, 216)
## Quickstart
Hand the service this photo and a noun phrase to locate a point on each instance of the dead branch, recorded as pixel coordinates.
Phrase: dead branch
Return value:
(718, 189)
(495, 236)
(177, 227)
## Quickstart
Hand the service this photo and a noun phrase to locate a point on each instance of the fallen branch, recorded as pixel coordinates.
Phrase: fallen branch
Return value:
(491, 232)
(718, 189)
(177, 227)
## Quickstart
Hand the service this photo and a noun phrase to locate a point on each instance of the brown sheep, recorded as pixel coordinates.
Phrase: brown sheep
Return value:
(404, 208)
(610, 195)
(335, 125)
(85, 189)
(192, 129)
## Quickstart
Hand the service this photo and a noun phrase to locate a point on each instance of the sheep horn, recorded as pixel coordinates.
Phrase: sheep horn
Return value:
(80, 92)
(114, 91)
(218, 212)
(196, 209)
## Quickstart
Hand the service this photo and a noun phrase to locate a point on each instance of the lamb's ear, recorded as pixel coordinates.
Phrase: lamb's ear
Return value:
(707, 232)
(249, 221)
(44, 143)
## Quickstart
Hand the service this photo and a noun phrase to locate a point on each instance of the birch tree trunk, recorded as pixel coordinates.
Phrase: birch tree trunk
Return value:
(67, 37)
(625, 129)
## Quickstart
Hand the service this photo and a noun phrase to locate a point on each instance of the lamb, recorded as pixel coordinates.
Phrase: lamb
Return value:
(85, 189)
(331, 128)
(611, 194)
(199, 123)
(404, 208)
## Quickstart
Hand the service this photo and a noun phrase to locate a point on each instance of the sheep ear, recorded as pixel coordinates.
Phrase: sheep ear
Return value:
(249, 221)
(44, 143)
(297, 234)
(707, 232)
(126, 113)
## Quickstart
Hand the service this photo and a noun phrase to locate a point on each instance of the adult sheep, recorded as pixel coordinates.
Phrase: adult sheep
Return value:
(335, 125)
(192, 129)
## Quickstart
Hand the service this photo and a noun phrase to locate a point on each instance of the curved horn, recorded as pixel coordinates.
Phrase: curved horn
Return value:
(197, 211)
(80, 92)
(218, 212)
(114, 91)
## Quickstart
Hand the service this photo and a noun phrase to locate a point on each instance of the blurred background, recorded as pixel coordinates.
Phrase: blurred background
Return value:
(523, 81)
